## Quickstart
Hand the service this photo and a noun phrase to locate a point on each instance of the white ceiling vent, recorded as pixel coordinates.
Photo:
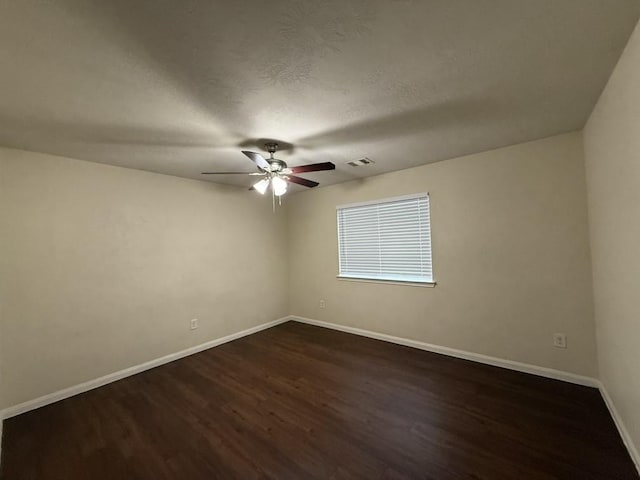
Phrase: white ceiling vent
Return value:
(363, 161)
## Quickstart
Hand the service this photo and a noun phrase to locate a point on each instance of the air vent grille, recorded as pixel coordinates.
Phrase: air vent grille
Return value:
(363, 161)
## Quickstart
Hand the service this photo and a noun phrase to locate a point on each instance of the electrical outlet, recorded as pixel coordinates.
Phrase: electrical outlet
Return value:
(322, 303)
(559, 340)
(193, 324)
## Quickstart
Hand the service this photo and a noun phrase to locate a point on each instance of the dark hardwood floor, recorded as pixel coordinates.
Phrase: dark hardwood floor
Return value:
(302, 402)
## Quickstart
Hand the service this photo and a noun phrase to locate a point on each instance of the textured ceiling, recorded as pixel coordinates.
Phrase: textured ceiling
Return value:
(179, 87)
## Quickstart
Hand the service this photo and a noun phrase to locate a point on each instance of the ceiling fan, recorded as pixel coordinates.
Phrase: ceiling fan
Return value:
(276, 173)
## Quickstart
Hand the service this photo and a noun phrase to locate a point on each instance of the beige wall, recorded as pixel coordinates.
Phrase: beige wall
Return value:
(510, 248)
(612, 152)
(103, 267)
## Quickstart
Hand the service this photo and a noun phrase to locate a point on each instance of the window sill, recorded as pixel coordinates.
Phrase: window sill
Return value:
(388, 282)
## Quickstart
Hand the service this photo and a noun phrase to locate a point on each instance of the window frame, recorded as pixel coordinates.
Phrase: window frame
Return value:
(351, 278)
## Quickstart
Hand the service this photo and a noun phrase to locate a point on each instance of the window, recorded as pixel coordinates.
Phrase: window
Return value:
(386, 239)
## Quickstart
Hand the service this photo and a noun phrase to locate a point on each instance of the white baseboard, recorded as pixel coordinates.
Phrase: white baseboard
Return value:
(452, 352)
(112, 377)
(622, 430)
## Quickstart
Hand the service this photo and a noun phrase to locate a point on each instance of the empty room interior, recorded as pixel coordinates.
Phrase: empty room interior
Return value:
(356, 239)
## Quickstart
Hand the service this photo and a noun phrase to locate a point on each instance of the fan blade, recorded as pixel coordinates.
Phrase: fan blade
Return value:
(314, 167)
(302, 181)
(232, 173)
(258, 160)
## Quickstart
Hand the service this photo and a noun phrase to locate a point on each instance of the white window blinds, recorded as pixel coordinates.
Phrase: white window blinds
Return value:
(386, 240)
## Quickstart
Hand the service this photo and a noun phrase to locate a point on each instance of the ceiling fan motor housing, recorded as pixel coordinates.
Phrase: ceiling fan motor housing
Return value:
(276, 165)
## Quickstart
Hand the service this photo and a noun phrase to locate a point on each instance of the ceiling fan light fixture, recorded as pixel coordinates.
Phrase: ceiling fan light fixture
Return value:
(279, 186)
(276, 173)
(261, 186)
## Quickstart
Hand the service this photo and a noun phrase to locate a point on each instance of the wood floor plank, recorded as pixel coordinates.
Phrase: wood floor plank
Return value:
(303, 402)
